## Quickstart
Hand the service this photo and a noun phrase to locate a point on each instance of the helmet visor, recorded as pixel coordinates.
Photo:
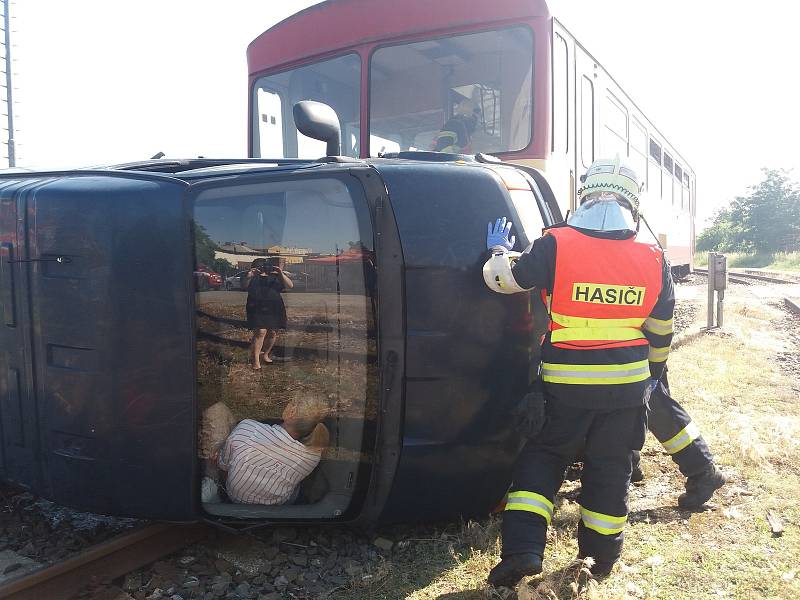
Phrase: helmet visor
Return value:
(603, 211)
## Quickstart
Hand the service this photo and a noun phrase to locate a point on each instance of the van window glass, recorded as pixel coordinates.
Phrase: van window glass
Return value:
(296, 261)
(464, 93)
(335, 82)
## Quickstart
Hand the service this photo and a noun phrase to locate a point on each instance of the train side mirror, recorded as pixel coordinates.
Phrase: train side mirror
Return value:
(319, 121)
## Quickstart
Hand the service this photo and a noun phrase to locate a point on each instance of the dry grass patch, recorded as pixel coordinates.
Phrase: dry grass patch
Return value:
(749, 412)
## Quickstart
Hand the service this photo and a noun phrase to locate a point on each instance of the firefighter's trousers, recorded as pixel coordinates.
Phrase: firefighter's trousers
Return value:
(606, 439)
(679, 436)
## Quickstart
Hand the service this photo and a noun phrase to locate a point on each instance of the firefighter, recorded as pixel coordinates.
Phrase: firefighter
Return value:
(605, 291)
(456, 135)
(681, 439)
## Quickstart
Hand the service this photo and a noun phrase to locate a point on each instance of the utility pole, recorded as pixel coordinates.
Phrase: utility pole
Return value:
(12, 158)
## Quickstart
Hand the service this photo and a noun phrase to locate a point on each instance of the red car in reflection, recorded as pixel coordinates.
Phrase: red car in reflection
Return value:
(206, 279)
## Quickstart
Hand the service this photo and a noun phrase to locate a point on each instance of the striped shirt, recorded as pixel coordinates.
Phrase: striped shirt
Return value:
(264, 463)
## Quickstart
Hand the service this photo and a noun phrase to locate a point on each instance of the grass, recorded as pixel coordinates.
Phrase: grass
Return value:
(748, 411)
(779, 261)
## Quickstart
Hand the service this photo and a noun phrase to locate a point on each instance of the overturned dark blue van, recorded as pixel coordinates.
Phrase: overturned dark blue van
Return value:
(110, 351)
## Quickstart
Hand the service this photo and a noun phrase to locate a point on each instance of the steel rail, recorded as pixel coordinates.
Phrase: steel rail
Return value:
(792, 305)
(732, 277)
(738, 274)
(105, 561)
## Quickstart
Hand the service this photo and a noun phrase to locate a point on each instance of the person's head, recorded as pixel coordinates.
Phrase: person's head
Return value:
(608, 198)
(260, 264)
(302, 414)
(467, 111)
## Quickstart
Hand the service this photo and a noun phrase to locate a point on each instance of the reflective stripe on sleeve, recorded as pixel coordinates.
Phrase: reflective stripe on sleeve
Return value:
(531, 502)
(567, 321)
(612, 334)
(684, 437)
(605, 524)
(658, 326)
(658, 354)
(596, 374)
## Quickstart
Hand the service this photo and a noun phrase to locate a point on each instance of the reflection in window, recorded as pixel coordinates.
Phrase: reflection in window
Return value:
(467, 93)
(587, 121)
(335, 82)
(317, 232)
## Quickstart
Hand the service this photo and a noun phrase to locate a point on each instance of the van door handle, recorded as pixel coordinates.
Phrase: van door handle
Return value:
(57, 259)
(7, 282)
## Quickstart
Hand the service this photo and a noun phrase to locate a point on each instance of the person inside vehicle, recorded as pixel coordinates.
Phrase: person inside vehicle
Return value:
(456, 135)
(266, 311)
(265, 464)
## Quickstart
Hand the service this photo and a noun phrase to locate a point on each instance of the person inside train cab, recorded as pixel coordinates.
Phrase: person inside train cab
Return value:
(265, 464)
(601, 284)
(456, 135)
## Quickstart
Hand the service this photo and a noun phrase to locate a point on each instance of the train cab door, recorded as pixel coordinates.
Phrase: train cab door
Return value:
(97, 374)
(586, 113)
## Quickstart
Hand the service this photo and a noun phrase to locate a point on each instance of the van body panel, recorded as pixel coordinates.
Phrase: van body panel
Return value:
(107, 384)
(468, 361)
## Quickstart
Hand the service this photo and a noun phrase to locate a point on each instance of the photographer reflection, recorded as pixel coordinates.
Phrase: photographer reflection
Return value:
(266, 312)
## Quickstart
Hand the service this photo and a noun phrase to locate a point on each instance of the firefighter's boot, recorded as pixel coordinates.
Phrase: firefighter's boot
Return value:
(700, 487)
(511, 569)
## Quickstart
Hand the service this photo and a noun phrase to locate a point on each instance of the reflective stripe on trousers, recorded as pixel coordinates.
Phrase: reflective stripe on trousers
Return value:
(596, 374)
(530, 502)
(683, 438)
(604, 524)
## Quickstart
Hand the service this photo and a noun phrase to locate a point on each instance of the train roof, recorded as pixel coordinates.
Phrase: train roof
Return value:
(341, 24)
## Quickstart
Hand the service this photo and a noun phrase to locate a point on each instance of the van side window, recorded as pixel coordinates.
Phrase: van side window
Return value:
(292, 321)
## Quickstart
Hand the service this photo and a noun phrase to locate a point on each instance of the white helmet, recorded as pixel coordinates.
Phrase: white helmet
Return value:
(497, 271)
(609, 198)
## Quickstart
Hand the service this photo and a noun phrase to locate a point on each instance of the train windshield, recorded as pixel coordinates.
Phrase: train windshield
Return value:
(466, 93)
(286, 347)
(335, 82)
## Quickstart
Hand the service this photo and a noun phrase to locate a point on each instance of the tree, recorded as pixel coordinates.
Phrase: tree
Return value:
(765, 221)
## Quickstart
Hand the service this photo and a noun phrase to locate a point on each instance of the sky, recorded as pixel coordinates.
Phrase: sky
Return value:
(100, 82)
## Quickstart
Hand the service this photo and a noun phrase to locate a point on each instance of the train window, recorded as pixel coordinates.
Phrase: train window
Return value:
(473, 91)
(668, 164)
(587, 121)
(655, 151)
(297, 330)
(638, 149)
(614, 131)
(686, 179)
(560, 122)
(678, 172)
(335, 82)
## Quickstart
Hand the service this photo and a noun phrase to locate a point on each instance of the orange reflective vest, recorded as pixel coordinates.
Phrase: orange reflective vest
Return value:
(603, 292)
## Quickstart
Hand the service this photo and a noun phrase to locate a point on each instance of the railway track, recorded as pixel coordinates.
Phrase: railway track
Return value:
(747, 278)
(103, 562)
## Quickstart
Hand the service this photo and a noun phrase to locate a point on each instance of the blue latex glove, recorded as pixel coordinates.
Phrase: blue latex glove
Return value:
(498, 235)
